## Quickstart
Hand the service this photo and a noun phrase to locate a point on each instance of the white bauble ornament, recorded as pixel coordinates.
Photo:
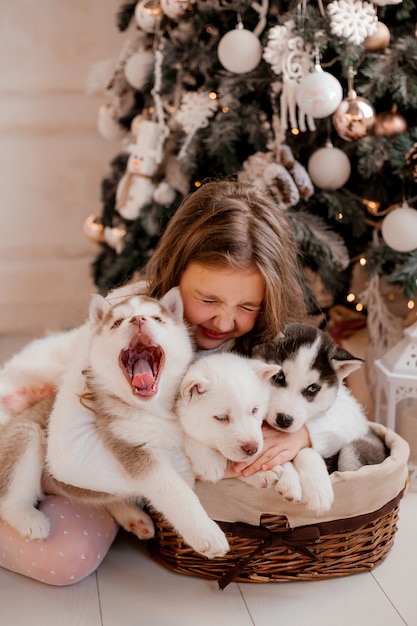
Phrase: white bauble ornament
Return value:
(107, 124)
(399, 229)
(319, 94)
(239, 51)
(164, 193)
(329, 168)
(175, 9)
(148, 15)
(138, 68)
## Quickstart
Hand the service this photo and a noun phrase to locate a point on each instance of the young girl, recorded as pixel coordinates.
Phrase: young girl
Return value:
(232, 252)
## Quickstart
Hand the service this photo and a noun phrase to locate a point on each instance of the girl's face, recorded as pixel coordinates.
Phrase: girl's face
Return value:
(220, 304)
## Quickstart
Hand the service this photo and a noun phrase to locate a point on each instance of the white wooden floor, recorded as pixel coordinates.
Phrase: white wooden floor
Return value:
(130, 589)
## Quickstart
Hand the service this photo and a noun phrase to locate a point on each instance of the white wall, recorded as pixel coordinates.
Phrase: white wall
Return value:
(52, 158)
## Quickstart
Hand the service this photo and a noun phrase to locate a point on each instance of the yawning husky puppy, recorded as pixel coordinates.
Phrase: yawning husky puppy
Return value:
(112, 430)
(309, 389)
(222, 403)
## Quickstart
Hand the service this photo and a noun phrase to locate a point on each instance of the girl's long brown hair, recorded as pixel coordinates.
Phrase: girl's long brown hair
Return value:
(223, 224)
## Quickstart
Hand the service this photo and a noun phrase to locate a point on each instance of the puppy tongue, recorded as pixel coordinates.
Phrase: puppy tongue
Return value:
(142, 375)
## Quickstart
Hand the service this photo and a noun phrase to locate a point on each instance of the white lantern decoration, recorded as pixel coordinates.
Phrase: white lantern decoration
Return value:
(319, 93)
(329, 167)
(239, 50)
(399, 229)
(396, 389)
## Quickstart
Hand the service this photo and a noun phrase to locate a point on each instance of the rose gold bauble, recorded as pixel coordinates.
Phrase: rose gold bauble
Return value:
(389, 123)
(379, 40)
(94, 229)
(354, 118)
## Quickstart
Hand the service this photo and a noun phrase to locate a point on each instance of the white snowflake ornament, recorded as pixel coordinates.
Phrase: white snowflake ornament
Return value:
(352, 20)
(195, 110)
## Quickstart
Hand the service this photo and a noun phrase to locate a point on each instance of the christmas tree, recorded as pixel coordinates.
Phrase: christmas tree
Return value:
(315, 102)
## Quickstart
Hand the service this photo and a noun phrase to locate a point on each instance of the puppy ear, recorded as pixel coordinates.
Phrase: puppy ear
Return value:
(265, 370)
(192, 386)
(344, 363)
(98, 308)
(173, 302)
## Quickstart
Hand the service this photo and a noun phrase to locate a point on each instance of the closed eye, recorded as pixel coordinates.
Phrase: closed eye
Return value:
(255, 410)
(117, 323)
(222, 418)
(157, 319)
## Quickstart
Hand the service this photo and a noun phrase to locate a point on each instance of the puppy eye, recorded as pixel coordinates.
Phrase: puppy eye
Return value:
(255, 410)
(157, 318)
(279, 378)
(221, 418)
(312, 390)
(117, 323)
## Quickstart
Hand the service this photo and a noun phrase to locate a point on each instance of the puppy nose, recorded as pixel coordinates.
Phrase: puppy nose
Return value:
(283, 420)
(250, 448)
(138, 320)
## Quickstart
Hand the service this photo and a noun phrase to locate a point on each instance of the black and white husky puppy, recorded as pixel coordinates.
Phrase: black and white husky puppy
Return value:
(112, 431)
(309, 389)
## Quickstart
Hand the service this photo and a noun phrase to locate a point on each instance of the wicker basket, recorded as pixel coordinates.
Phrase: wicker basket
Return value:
(281, 546)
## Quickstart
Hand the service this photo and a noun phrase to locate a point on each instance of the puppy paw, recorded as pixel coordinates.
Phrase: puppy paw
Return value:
(209, 474)
(142, 528)
(264, 480)
(133, 519)
(211, 541)
(289, 485)
(20, 399)
(28, 522)
(320, 500)
(315, 481)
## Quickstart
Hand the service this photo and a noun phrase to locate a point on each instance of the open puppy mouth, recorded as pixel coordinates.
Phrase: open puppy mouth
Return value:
(141, 363)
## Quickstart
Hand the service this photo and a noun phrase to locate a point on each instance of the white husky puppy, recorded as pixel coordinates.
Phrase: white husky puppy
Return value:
(309, 389)
(222, 403)
(112, 431)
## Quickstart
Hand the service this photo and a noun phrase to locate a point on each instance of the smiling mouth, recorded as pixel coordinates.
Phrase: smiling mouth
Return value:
(211, 334)
(141, 363)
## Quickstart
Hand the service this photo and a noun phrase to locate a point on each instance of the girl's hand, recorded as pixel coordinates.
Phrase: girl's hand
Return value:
(279, 447)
